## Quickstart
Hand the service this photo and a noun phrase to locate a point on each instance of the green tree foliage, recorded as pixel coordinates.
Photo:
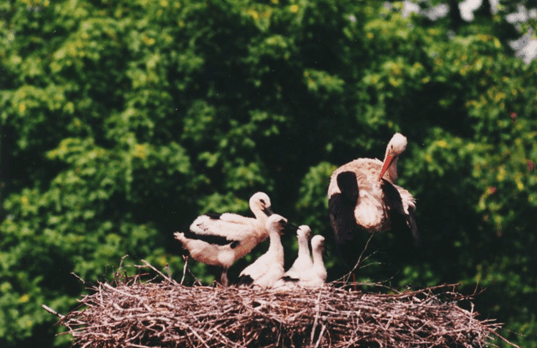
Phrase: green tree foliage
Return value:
(122, 121)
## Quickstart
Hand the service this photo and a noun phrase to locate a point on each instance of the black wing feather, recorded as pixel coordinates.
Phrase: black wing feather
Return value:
(211, 239)
(348, 185)
(341, 207)
(397, 211)
(414, 227)
(290, 279)
(213, 216)
(244, 280)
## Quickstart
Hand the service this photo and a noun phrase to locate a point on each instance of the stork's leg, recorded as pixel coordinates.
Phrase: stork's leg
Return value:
(223, 277)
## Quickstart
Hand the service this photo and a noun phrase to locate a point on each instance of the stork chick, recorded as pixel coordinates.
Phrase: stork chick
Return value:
(222, 239)
(309, 277)
(315, 276)
(303, 261)
(268, 268)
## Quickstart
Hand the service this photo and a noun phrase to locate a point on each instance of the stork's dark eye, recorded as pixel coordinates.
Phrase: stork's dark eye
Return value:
(262, 201)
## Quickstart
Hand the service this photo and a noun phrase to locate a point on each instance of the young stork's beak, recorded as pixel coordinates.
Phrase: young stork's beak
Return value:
(290, 228)
(268, 211)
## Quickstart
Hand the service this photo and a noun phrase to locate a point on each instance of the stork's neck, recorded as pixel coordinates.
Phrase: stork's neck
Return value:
(276, 246)
(318, 264)
(318, 258)
(303, 248)
(259, 215)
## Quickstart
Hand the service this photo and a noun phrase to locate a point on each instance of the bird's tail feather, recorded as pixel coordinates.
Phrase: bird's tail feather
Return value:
(180, 236)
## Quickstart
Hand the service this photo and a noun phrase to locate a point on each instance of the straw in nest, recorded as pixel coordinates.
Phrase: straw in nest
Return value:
(132, 313)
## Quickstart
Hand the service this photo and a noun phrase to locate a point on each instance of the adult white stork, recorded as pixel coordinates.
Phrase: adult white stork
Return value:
(268, 268)
(362, 195)
(222, 239)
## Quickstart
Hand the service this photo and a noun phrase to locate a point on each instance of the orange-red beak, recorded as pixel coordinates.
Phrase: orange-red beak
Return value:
(387, 164)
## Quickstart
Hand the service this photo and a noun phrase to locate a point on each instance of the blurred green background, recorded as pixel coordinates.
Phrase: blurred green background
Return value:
(121, 121)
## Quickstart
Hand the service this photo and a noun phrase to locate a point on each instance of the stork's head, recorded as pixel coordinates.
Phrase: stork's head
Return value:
(396, 146)
(260, 201)
(317, 243)
(276, 224)
(304, 231)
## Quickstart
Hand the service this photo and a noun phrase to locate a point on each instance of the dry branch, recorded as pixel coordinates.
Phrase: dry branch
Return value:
(133, 313)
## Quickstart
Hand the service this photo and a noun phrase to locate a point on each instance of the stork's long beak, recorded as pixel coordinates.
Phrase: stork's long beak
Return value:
(268, 211)
(290, 228)
(387, 163)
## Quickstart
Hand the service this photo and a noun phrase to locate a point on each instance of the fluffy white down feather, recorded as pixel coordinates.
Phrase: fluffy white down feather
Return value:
(268, 268)
(316, 275)
(243, 234)
(303, 262)
(310, 277)
(246, 231)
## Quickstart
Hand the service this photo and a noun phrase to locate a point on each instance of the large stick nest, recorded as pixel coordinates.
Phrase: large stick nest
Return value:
(132, 313)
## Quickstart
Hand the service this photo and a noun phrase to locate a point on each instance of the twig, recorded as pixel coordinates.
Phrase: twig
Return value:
(77, 277)
(320, 336)
(159, 272)
(346, 277)
(362, 253)
(316, 320)
(185, 267)
(52, 311)
(503, 338)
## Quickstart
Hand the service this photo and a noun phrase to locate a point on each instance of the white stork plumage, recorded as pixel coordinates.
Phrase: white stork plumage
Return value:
(303, 261)
(316, 275)
(222, 239)
(362, 195)
(268, 268)
(308, 275)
